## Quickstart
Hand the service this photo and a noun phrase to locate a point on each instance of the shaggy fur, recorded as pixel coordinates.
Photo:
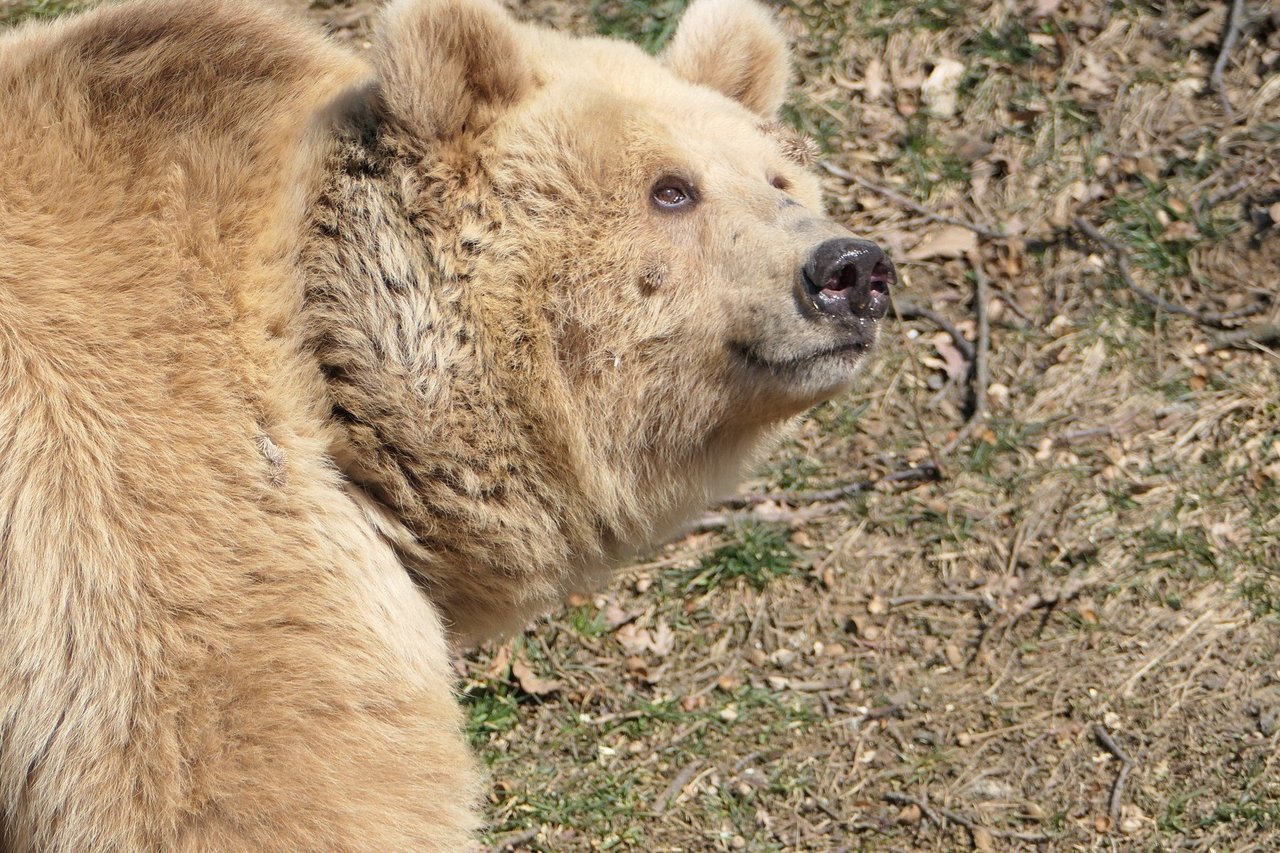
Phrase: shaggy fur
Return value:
(298, 357)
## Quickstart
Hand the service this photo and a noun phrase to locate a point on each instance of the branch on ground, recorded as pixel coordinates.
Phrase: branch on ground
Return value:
(1126, 765)
(910, 311)
(1235, 22)
(935, 813)
(915, 474)
(1121, 255)
(899, 198)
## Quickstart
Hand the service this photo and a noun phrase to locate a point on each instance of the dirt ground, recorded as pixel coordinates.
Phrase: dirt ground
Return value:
(1054, 623)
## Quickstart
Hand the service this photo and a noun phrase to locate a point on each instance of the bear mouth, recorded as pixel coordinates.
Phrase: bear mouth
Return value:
(851, 351)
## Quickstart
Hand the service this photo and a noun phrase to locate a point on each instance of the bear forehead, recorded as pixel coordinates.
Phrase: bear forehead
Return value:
(605, 99)
(621, 83)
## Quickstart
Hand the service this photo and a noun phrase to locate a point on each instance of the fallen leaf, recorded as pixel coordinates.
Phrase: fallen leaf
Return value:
(951, 241)
(939, 89)
(1094, 76)
(529, 680)
(663, 640)
(956, 366)
(499, 663)
(873, 80)
(633, 639)
(1044, 8)
(615, 617)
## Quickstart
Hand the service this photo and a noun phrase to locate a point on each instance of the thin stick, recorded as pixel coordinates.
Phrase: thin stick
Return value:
(513, 841)
(1230, 192)
(677, 786)
(981, 372)
(899, 198)
(1121, 255)
(909, 311)
(1260, 334)
(933, 813)
(917, 473)
(981, 366)
(940, 598)
(1234, 24)
(723, 520)
(1126, 764)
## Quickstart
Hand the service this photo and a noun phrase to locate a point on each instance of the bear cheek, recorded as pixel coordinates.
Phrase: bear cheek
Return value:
(652, 276)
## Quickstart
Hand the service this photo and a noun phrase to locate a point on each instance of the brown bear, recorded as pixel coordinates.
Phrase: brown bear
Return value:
(310, 368)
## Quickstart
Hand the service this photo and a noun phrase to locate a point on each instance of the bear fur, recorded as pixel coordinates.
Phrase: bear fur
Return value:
(312, 368)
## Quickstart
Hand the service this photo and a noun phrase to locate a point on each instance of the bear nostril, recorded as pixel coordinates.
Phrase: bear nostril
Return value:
(855, 277)
(844, 279)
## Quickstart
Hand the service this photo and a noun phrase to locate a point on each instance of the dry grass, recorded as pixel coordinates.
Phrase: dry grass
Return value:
(934, 666)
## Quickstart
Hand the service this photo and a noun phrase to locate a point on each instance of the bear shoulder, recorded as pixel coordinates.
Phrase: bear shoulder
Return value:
(184, 116)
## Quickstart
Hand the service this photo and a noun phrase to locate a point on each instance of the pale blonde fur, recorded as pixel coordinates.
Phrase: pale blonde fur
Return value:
(307, 367)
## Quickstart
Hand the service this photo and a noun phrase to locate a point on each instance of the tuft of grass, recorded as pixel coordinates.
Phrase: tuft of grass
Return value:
(760, 554)
(926, 160)
(649, 24)
(587, 621)
(881, 18)
(492, 711)
(32, 10)
(1010, 45)
(794, 471)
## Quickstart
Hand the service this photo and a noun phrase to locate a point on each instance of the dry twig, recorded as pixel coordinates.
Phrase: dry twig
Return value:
(1121, 255)
(941, 598)
(899, 198)
(980, 374)
(513, 841)
(1246, 337)
(1234, 24)
(909, 311)
(918, 473)
(1227, 193)
(934, 813)
(677, 786)
(1126, 764)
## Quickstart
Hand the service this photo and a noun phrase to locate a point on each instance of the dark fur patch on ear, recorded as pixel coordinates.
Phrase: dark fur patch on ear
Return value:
(447, 67)
(797, 147)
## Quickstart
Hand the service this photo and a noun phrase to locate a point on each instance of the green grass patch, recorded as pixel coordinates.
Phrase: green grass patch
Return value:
(760, 554)
(587, 622)
(1010, 45)
(926, 160)
(492, 711)
(881, 18)
(649, 24)
(38, 10)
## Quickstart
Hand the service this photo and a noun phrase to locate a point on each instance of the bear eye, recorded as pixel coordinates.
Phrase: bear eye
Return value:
(672, 194)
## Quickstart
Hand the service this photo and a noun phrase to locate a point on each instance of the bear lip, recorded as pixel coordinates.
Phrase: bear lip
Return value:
(857, 348)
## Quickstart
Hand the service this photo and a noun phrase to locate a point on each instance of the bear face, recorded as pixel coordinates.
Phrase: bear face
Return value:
(562, 290)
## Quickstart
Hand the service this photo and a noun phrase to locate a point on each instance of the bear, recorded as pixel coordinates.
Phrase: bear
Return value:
(315, 369)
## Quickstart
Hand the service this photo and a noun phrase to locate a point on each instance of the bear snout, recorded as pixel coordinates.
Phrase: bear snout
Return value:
(849, 279)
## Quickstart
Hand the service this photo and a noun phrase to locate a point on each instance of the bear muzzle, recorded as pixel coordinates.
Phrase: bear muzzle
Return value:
(849, 279)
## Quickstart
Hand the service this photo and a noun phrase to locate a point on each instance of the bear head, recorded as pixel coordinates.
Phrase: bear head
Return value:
(565, 289)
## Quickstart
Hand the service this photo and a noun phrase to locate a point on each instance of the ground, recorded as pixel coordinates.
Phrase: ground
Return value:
(1058, 630)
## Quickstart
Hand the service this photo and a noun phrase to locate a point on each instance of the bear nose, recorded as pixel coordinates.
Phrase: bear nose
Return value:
(850, 278)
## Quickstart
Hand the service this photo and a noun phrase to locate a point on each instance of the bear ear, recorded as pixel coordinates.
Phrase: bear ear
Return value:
(449, 66)
(736, 48)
